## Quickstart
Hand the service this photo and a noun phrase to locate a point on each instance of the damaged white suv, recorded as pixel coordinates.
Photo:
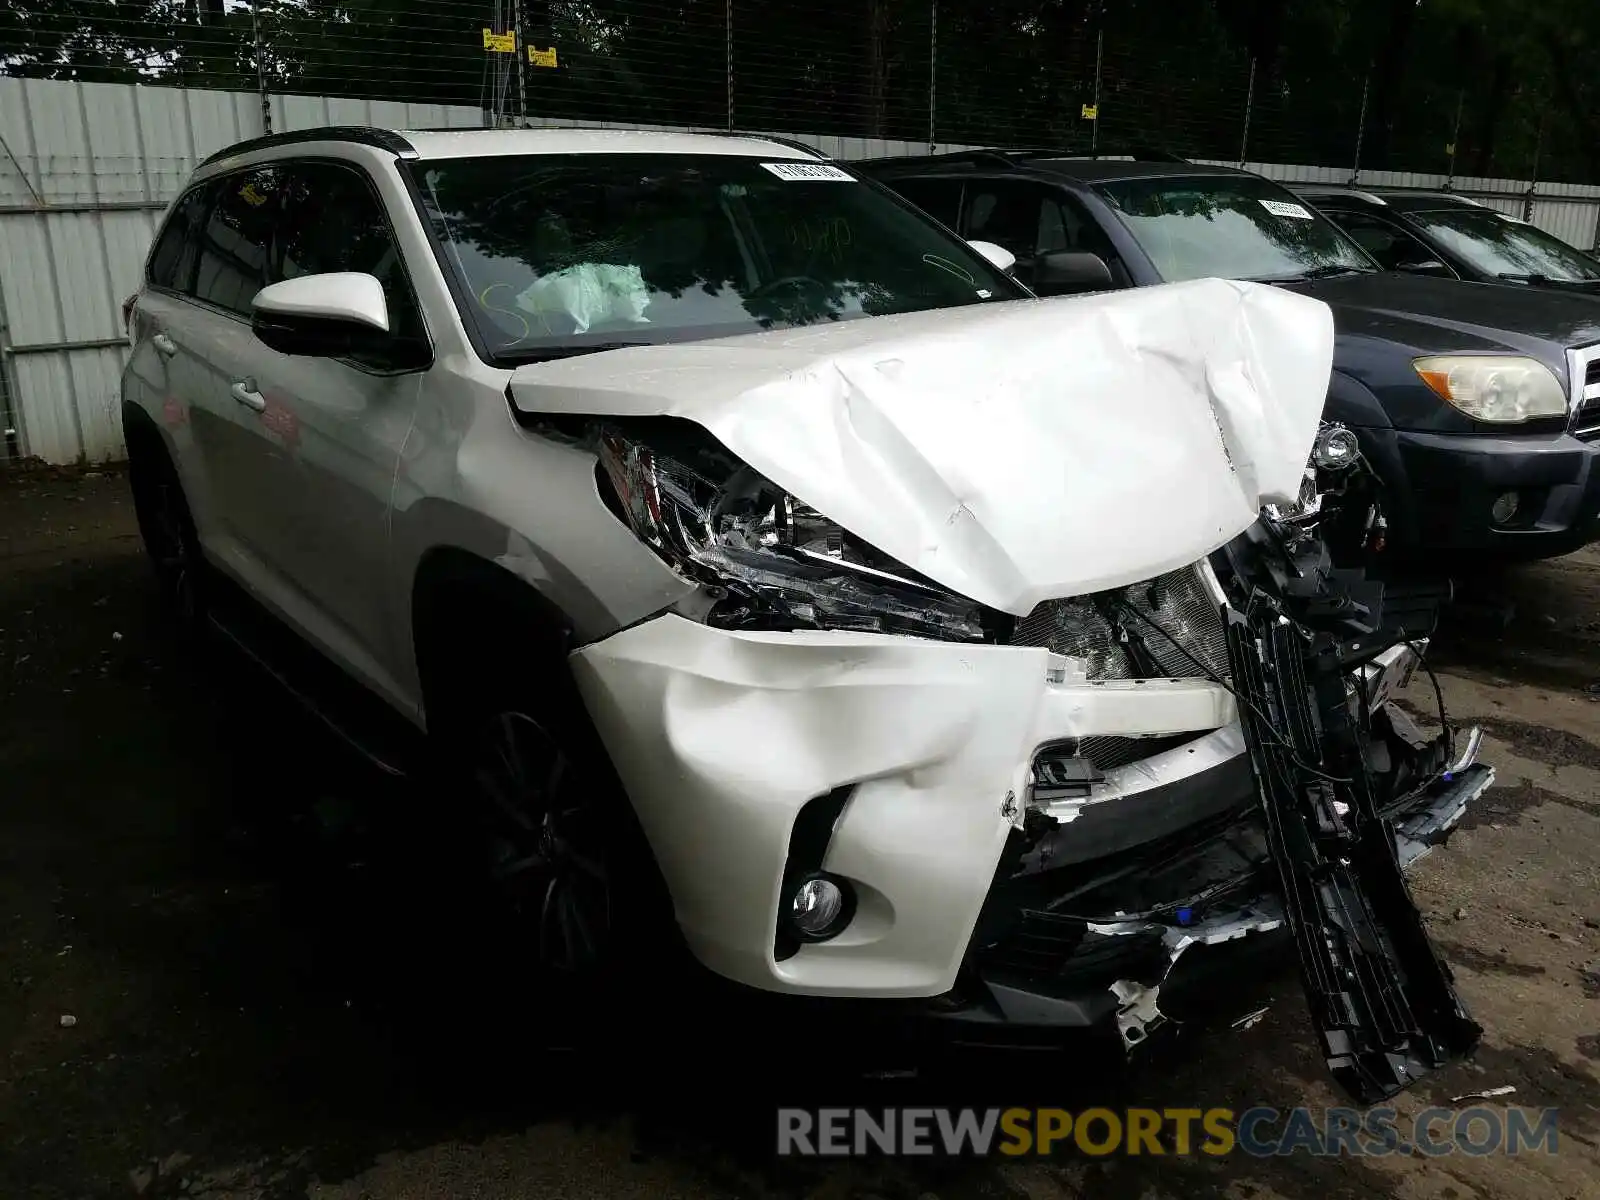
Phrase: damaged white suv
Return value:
(694, 480)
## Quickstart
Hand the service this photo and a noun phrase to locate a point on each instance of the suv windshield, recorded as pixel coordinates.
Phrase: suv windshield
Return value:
(1497, 245)
(558, 255)
(1230, 227)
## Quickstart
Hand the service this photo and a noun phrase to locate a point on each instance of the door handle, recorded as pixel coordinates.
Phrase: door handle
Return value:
(244, 391)
(164, 345)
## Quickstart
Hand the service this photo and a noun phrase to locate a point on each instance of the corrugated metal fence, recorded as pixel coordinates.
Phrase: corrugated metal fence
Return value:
(87, 169)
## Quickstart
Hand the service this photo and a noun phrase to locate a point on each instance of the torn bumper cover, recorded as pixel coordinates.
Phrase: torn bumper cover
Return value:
(917, 755)
(954, 646)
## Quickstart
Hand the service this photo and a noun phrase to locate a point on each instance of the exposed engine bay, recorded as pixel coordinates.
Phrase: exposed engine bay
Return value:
(1346, 793)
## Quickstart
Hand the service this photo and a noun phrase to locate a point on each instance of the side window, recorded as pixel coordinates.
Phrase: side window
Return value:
(332, 220)
(939, 198)
(1064, 224)
(172, 261)
(235, 238)
(1009, 213)
(1389, 244)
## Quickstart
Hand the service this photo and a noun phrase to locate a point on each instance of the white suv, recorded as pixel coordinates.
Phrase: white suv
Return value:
(733, 528)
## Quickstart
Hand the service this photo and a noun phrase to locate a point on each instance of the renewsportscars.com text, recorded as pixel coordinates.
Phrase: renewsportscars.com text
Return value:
(1260, 1131)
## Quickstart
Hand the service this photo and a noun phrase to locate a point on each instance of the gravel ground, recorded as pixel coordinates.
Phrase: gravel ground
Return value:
(276, 992)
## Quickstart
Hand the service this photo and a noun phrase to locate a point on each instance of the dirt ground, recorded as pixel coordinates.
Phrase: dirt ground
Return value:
(230, 967)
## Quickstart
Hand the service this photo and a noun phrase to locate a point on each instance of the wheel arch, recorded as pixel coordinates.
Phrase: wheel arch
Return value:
(461, 605)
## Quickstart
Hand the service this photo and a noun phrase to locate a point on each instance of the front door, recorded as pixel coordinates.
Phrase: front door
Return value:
(334, 428)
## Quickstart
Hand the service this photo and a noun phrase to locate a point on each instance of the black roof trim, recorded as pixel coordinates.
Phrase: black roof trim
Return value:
(779, 139)
(1003, 157)
(382, 139)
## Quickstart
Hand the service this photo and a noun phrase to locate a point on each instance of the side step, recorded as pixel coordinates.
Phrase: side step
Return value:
(326, 693)
(1384, 1003)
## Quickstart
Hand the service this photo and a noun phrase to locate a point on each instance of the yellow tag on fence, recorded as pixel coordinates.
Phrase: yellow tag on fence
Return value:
(1091, 112)
(500, 43)
(542, 58)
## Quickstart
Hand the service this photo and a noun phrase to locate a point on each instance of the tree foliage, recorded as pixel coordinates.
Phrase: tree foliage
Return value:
(1506, 83)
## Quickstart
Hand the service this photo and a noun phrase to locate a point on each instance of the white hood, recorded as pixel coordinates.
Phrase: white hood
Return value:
(1014, 452)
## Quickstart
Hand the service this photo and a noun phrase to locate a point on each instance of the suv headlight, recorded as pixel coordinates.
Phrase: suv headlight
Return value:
(766, 559)
(1504, 389)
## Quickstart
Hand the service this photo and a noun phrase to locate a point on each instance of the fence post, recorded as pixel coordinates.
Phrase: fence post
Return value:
(1361, 129)
(728, 51)
(1094, 125)
(522, 63)
(1533, 175)
(1249, 102)
(1455, 138)
(933, 68)
(261, 68)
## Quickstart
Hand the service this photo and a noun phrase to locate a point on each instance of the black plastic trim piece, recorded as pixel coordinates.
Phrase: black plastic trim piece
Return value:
(1383, 1002)
(382, 139)
(808, 846)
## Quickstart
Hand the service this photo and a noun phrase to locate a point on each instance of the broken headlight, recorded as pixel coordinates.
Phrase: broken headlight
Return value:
(765, 559)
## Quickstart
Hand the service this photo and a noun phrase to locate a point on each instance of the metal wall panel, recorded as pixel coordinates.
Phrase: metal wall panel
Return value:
(87, 169)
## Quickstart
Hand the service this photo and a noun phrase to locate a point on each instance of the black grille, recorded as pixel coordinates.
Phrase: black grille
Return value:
(1586, 423)
(1046, 945)
(1178, 603)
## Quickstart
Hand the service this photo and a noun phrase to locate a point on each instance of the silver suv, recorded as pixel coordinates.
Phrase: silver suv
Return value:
(756, 551)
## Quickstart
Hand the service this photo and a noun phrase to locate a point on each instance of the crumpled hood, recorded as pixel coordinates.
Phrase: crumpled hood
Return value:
(1013, 452)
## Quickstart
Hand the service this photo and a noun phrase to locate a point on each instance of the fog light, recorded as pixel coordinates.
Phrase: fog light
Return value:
(1335, 448)
(817, 907)
(1504, 507)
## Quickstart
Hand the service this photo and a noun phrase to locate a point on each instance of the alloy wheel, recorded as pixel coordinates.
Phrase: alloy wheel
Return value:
(547, 845)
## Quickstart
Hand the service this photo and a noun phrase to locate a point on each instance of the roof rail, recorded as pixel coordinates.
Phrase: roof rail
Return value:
(792, 143)
(361, 135)
(1011, 156)
(1001, 158)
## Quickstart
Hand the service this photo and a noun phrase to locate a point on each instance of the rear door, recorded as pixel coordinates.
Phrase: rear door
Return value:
(220, 359)
(158, 376)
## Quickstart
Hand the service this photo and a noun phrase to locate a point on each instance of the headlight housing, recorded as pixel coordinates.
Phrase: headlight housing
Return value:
(764, 558)
(1499, 388)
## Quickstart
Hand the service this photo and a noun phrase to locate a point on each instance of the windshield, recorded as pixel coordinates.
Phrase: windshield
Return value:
(561, 254)
(1230, 227)
(1496, 245)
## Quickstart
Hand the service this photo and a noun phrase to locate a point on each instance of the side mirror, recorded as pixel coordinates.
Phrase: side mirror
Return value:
(1071, 271)
(323, 316)
(1002, 258)
(1430, 266)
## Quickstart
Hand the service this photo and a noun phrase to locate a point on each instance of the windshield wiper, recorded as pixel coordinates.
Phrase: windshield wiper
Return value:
(551, 353)
(1332, 270)
(1326, 271)
(1513, 277)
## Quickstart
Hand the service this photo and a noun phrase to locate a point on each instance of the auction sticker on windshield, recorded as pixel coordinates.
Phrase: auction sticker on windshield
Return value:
(796, 172)
(1283, 208)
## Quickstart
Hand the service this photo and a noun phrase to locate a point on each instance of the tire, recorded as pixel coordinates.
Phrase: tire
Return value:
(567, 870)
(167, 529)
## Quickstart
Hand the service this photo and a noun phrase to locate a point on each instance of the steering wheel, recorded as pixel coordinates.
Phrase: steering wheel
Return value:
(773, 285)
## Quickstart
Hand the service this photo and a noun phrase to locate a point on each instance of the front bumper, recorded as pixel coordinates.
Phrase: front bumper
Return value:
(1450, 482)
(723, 738)
(1060, 954)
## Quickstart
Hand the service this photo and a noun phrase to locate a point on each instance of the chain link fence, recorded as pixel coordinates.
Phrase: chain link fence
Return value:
(1329, 85)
